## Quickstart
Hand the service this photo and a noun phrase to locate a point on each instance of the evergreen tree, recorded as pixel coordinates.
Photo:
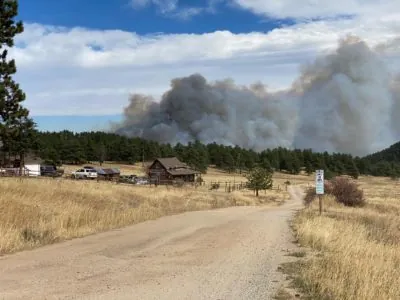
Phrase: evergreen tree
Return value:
(296, 165)
(339, 167)
(265, 164)
(352, 170)
(259, 179)
(101, 153)
(328, 174)
(16, 128)
(228, 162)
(309, 168)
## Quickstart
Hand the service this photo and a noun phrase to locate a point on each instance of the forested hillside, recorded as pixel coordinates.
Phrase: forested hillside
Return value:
(67, 147)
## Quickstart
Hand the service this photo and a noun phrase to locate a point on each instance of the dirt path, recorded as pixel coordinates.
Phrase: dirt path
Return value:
(230, 254)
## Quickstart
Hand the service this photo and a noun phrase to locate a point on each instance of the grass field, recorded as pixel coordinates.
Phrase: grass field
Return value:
(35, 212)
(357, 250)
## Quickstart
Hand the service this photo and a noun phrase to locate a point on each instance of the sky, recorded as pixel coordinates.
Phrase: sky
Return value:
(79, 61)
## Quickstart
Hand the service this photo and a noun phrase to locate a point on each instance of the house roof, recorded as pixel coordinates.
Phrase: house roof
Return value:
(172, 163)
(175, 167)
(182, 172)
(107, 171)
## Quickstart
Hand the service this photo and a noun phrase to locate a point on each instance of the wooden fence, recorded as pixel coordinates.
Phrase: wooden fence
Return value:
(13, 172)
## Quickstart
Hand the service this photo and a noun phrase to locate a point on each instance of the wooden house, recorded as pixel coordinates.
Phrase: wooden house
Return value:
(166, 170)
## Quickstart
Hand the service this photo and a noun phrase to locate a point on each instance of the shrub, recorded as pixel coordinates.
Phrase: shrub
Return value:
(347, 192)
(343, 189)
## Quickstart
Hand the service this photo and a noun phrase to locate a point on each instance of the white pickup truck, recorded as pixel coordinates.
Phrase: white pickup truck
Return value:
(85, 174)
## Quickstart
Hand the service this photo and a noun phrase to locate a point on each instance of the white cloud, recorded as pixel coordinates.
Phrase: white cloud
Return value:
(170, 8)
(319, 8)
(164, 6)
(80, 71)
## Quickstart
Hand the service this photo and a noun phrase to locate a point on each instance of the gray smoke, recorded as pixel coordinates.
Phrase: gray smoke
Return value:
(344, 102)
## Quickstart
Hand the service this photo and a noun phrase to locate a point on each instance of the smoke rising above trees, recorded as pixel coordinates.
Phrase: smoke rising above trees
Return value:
(342, 102)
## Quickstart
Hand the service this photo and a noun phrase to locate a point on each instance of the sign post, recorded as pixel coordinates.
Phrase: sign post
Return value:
(319, 187)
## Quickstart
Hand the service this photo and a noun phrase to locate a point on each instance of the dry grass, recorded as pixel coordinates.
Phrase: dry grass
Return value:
(35, 212)
(359, 248)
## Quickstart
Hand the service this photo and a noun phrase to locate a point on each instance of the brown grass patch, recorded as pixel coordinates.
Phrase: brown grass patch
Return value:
(359, 248)
(35, 212)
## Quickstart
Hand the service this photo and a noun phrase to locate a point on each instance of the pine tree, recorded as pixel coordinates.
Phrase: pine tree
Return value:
(16, 128)
(265, 164)
(259, 179)
(352, 170)
(328, 174)
(309, 168)
(101, 153)
(296, 165)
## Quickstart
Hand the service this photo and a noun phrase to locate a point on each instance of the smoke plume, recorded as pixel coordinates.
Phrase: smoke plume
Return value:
(344, 102)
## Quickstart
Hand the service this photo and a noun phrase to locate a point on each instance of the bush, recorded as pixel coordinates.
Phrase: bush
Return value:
(343, 189)
(347, 192)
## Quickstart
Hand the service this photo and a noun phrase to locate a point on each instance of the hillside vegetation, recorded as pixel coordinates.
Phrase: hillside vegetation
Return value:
(69, 148)
(358, 249)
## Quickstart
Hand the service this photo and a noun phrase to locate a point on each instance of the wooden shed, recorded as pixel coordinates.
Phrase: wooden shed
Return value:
(166, 170)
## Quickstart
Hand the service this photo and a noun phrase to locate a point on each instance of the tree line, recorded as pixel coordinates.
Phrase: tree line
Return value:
(76, 148)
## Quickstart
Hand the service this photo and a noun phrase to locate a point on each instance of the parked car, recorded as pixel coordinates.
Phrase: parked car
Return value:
(141, 180)
(85, 174)
(49, 171)
(132, 178)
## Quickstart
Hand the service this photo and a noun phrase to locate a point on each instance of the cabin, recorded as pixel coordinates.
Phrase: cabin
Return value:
(166, 170)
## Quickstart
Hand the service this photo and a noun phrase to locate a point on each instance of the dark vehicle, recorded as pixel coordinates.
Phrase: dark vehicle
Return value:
(49, 171)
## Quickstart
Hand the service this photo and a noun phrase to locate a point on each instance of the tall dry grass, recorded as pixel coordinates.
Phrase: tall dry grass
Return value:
(358, 248)
(35, 212)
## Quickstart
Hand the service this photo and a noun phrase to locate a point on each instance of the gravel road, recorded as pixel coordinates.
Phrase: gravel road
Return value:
(230, 253)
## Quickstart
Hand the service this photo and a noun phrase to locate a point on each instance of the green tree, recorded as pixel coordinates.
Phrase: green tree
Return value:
(15, 125)
(259, 179)
(265, 164)
(296, 165)
(309, 168)
(101, 153)
(228, 161)
(328, 174)
(352, 170)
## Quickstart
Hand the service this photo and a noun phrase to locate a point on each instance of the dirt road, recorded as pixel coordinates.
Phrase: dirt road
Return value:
(230, 254)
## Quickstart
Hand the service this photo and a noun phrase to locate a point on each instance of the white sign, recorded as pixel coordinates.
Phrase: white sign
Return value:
(319, 182)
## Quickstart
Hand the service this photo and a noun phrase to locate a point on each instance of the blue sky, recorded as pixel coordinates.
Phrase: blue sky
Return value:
(119, 14)
(79, 61)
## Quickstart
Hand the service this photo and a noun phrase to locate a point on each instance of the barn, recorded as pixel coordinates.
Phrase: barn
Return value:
(165, 170)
